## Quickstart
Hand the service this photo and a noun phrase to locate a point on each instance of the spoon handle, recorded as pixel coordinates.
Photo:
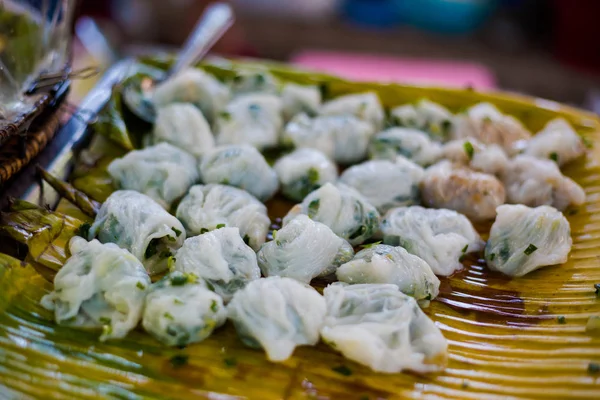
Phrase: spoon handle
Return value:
(213, 23)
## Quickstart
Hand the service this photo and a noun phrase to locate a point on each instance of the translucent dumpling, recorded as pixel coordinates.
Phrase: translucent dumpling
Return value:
(137, 223)
(558, 141)
(382, 328)
(425, 115)
(253, 118)
(100, 286)
(386, 184)
(458, 188)
(241, 166)
(277, 314)
(162, 172)
(440, 237)
(524, 239)
(250, 81)
(221, 258)
(184, 126)
(303, 249)
(388, 264)
(470, 152)
(300, 99)
(303, 171)
(410, 143)
(365, 106)
(207, 207)
(341, 208)
(535, 182)
(180, 310)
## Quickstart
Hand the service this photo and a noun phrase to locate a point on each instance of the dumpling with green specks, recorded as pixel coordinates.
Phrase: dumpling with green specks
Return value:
(386, 184)
(250, 81)
(303, 171)
(424, 115)
(183, 126)
(221, 259)
(470, 152)
(381, 263)
(365, 106)
(440, 237)
(241, 166)
(303, 249)
(180, 310)
(407, 142)
(209, 207)
(252, 118)
(523, 239)
(277, 314)
(379, 326)
(341, 208)
(193, 86)
(298, 99)
(558, 141)
(101, 286)
(162, 172)
(137, 223)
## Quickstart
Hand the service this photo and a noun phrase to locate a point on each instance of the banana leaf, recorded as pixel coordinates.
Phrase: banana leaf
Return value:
(505, 335)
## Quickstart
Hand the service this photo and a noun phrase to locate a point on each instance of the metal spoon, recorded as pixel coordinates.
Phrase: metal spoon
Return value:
(213, 23)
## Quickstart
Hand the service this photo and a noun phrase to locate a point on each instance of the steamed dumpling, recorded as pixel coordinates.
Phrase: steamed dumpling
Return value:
(470, 152)
(101, 286)
(180, 310)
(558, 141)
(365, 106)
(184, 126)
(207, 207)
(251, 81)
(410, 143)
(524, 239)
(440, 237)
(458, 188)
(298, 99)
(342, 209)
(424, 115)
(241, 166)
(382, 328)
(221, 258)
(162, 172)
(387, 264)
(253, 118)
(386, 184)
(277, 314)
(303, 171)
(303, 249)
(535, 182)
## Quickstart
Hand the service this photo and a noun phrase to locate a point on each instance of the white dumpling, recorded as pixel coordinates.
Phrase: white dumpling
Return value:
(407, 142)
(380, 327)
(303, 249)
(180, 310)
(277, 314)
(470, 152)
(341, 208)
(425, 115)
(101, 286)
(162, 172)
(386, 184)
(381, 263)
(252, 118)
(221, 259)
(458, 188)
(440, 237)
(523, 239)
(184, 126)
(343, 138)
(365, 106)
(241, 166)
(207, 207)
(303, 171)
(249, 81)
(558, 141)
(298, 99)
(193, 86)
(535, 182)
(137, 223)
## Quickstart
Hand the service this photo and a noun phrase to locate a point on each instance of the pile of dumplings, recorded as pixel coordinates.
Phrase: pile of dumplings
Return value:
(191, 204)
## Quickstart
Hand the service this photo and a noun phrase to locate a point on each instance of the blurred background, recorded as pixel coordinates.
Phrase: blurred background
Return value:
(546, 48)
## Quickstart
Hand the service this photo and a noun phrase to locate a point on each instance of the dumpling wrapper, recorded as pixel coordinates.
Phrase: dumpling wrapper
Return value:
(425, 115)
(100, 286)
(558, 141)
(277, 314)
(413, 144)
(298, 99)
(378, 326)
(365, 106)
(470, 152)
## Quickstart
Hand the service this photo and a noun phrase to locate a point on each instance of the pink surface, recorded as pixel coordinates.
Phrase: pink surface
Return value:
(366, 67)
